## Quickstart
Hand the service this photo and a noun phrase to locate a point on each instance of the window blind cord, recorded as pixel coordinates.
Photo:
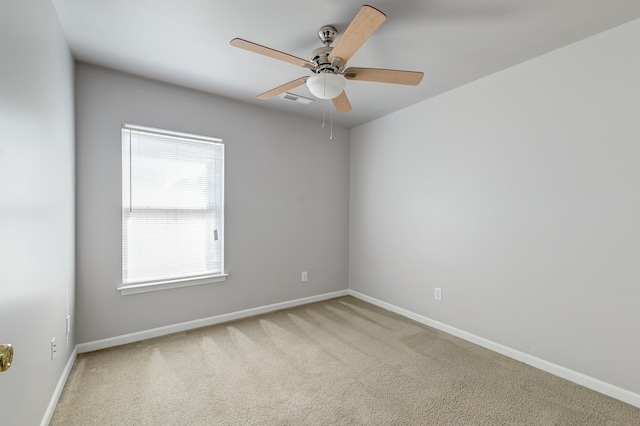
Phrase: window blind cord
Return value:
(130, 177)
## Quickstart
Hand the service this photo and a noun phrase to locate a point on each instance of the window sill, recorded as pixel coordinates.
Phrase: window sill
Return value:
(166, 285)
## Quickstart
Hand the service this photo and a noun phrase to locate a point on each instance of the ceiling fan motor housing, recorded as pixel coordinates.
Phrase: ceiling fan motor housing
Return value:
(321, 56)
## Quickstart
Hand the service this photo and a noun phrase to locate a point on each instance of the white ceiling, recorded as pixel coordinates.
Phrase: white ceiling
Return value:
(186, 42)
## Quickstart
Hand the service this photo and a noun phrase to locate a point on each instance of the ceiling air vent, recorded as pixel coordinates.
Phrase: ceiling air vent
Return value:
(296, 98)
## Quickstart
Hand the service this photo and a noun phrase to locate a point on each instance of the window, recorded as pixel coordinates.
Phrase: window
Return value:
(172, 209)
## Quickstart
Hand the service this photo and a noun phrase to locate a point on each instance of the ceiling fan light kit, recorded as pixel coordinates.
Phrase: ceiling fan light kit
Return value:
(328, 63)
(325, 85)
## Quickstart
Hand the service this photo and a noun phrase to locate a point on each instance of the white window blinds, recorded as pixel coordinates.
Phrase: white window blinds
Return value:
(172, 205)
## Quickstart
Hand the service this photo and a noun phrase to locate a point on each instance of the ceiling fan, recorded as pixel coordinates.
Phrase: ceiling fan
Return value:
(328, 63)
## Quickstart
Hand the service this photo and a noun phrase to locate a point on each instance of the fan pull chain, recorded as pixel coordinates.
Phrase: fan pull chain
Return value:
(331, 128)
(324, 119)
(324, 109)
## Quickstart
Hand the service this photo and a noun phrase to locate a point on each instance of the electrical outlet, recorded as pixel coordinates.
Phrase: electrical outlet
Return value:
(437, 294)
(304, 276)
(54, 348)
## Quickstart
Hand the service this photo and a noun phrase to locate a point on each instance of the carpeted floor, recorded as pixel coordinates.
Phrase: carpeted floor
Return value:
(339, 362)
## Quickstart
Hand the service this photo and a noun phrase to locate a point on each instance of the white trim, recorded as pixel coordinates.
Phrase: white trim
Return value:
(170, 133)
(166, 285)
(190, 325)
(59, 387)
(592, 383)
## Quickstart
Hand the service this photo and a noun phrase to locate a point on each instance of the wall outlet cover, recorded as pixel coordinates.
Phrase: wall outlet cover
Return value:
(437, 293)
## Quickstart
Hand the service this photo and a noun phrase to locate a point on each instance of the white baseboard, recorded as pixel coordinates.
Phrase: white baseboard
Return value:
(59, 387)
(190, 325)
(557, 370)
(573, 376)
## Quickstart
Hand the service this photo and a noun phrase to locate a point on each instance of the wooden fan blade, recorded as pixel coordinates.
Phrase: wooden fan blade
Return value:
(272, 53)
(366, 22)
(281, 89)
(342, 103)
(411, 78)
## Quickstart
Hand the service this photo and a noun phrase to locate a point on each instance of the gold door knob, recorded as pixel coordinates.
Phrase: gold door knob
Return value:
(6, 356)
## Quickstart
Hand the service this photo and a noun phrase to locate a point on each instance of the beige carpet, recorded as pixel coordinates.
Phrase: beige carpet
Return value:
(340, 362)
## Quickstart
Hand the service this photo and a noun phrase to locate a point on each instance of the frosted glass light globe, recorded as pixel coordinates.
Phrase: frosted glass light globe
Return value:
(326, 85)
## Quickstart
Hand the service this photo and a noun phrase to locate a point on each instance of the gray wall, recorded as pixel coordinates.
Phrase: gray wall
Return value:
(287, 196)
(518, 196)
(36, 205)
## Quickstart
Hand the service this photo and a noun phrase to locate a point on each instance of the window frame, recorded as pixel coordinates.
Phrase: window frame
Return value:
(148, 286)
